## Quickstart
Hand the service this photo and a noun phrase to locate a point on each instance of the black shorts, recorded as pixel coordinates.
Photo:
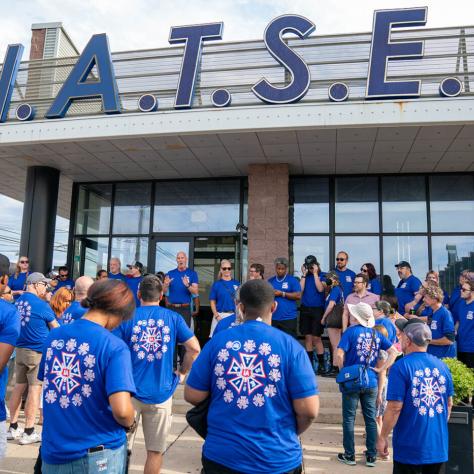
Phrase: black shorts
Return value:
(211, 467)
(400, 468)
(310, 320)
(286, 325)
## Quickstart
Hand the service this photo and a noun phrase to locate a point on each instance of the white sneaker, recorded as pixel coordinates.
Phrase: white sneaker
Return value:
(30, 439)
(14, 434)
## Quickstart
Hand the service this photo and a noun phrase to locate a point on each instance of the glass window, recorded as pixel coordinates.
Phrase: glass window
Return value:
(311, 205)
(165, 255)
(93, 252)
(303, 246)
(404, 204)
(10, 230)
(93, 209)
(357, 208)
(132, 208)
(61, 235)
(129, 250)
(452, 203)
(361, 250)
(413, 249)
(450, 256)
(197, 206)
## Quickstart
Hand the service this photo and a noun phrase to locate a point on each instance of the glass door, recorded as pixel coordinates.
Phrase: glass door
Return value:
(163, 252)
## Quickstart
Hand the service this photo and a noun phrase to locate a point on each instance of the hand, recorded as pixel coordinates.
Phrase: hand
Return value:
(382, 446)
(278, 293)
(167, 280)
(376, 369)
(379, 401)
(185, 281)
(323, 321)
(181, 376)
(217, 316)
(304, 270)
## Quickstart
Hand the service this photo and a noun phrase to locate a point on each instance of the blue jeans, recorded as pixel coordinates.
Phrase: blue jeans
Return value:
(108, 461)
(350, 401)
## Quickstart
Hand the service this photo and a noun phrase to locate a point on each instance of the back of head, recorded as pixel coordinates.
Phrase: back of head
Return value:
(256, 297)
(4, 265)
(111, 297)
(82, 286)
(381, 329)
(151, 289)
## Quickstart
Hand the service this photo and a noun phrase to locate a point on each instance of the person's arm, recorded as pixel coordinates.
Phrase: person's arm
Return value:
(382, 378)
(340, 355)
(192, 351)
(6, 350)
(442, 341)
(345, 318)
(193, 288)
(294, 295)
(390, 419)
(122, 408)
(53, 324)
(392, 355)
(306, 410)
(193, 396)
(328, 310)
(450, 406)
(214, 309)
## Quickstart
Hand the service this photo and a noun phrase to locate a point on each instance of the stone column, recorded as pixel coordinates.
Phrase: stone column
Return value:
(268, 214)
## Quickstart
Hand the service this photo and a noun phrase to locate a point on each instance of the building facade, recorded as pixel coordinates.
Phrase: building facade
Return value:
(292, 145)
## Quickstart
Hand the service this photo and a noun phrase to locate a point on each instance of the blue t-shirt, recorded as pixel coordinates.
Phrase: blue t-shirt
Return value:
(18, 283)
(405, 291)
(346, 278)
(117, 276)
(225, 323)
(375, 286)
(82, 365)
(134, 284)
(423, 383)
(465, 318)
(151, 336)
(334, 295)
(390, 327)
(311, 297)
(223, 293)
(73, 311)
(253, 373)
(286, 308)
(356, 342)
(69, 284)
(442, 324)
(177, 292)
(35, 314)
(9, 332)
(454, 301)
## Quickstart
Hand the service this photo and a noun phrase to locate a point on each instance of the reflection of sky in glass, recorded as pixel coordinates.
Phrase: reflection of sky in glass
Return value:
(361, 250)
(404, 216)
(452, 216)
(131, 220)
(311, 217)
(130, 250)
(464, 246)
(196, 218)
(405, 247)
(165, 259)
(357, 217)
(303, 246)
(95, 258)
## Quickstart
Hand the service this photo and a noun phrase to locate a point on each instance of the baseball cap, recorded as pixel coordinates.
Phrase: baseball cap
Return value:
(4, 265)
(281, 261)
(383, 306)
(36, 277)
(137, 265)
(416, 330)
(403, 263)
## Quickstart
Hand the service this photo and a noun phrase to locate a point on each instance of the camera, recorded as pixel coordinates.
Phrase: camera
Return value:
(328, 282)
(310, 261)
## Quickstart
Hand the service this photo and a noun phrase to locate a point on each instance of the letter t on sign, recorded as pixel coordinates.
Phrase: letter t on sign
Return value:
(383, 49)
(192, 36)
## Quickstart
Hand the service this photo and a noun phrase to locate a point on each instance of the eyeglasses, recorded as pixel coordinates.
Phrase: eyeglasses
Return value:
(24, 261)
(63, 275)
(252, 271)
(340, 259)
(465, 289)
(225, 268)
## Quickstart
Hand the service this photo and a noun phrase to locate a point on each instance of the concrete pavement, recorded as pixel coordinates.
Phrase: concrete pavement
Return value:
(321, 443)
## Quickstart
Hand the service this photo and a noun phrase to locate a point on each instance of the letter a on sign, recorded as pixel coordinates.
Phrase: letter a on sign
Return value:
(78, 86)
(8, 77)
(383, 49)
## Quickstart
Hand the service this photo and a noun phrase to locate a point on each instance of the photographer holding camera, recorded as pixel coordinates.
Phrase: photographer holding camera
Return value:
(312, 309)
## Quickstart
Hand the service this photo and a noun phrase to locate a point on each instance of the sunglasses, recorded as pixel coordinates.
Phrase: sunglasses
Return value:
(226, 268)
(364, 270)
(340, 259)
(24, 261)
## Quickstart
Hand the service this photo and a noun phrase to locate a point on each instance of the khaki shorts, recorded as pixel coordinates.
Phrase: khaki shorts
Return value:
(156, 423)
(27, 365)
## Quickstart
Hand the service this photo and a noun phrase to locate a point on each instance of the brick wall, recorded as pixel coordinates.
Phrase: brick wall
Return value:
(37, 43)
(267, 214)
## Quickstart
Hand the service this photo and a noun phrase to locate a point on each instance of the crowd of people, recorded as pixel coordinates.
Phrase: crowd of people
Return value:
(93, 357)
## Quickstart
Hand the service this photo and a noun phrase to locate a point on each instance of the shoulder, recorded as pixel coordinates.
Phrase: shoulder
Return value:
(352, 273)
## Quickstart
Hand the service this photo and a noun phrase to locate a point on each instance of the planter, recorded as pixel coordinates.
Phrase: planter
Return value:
(461, 459)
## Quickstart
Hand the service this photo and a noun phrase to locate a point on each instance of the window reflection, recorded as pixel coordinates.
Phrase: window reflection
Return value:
(92, 252)
(452, 203)
(303, 246)
(132, 208)
(404, 204)
(361, 250)
(93, 209)
(197, 206)
(311, 205)
(413, 249)
(129, 250)
(451, 255)
(357, 208)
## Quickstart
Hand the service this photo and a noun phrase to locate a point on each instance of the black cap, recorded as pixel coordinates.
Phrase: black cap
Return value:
(311, 260)
(402, 323)
(403, 263)
(4, 265)
(137, 265)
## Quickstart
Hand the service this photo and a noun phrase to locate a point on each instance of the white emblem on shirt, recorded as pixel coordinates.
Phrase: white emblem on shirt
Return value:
(434, 324)
(348, 279)
(24, 308)
(427, 389)
(469, 315)
(284, 285)
(364, 346)
(150, 339)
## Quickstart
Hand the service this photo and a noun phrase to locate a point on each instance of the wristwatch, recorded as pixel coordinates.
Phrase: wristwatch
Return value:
(283, 294)
(132, 427)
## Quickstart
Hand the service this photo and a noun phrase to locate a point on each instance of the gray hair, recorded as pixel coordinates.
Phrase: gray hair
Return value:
(281, 261)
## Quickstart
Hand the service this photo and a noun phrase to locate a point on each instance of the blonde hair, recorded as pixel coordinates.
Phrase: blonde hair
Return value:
(434, 291)
(17, 266)
(61, 300)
